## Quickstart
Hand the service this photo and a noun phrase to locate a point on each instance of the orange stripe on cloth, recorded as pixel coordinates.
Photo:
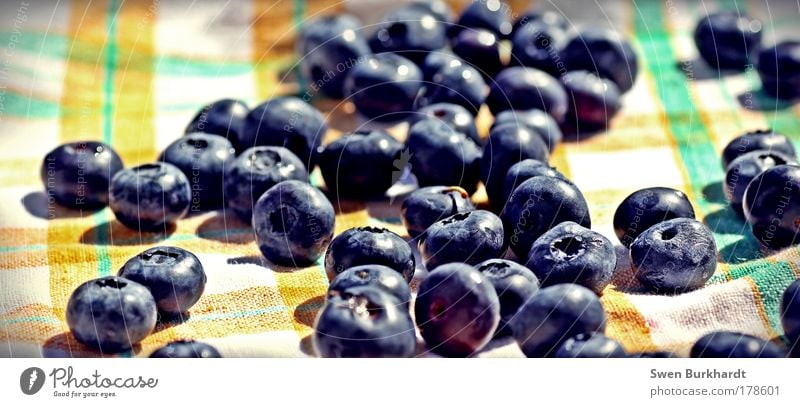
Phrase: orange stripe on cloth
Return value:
(625, 323)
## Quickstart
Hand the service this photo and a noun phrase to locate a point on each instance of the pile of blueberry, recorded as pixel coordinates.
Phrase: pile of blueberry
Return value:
(525, 266)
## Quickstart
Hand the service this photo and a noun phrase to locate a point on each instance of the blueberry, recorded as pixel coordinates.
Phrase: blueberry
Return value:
(457, 310)
(653, 355)
(203, 158)
(593, 345)
(593, 101)
(539, 45)
(779, 69)
(507, 145)
(764, 139)
(328, 47)
(293, 222)
(744, 168)
(455, 116)
(186, 349)
(411, 31)
(489, 15)
(289, 122)
(521, 88)
(513, 283)
(535, 119)
(223, 118)
(440, 155)
(723, 344)
(770, 206)
(674, 256)
(525, 170)
(150, 196)
(536, 16)
(645, 208)
(727, 39)
(77, 175)
(435, 61)
(440, 9)
(374, 275)
(369, 245)
(111, 314)
(468, 237)
(555, 314)
(255, 171)
(426, 206)
(361, 164)
(605, 53)
(384, 87)
(480, 48)
(363, 321)
(173, 275)
(459, 84)
(790, 316)
(536, 206)
(571, 253)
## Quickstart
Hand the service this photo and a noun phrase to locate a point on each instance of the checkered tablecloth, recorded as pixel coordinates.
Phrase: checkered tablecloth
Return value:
(133, 74)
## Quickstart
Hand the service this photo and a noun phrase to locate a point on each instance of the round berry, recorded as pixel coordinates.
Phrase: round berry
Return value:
(369, 245)
(469, 237)
(605, 53)
(426, 206)
(779, 69)
(744, 168)
(645, 208)
(536, 120)
(727, 39)
(539, 45)
(770, 206)
(411, 31)
(151, 196)
(492, 15)
(457, 84)
(360, 164)
(223, 118)
(186, 349)
(525, 170)
(383, 87)
(513, 283)
(481, 49)
(722, 344)
(592, 101)
(77, 175)
(764, 139)
(521, 88)
(440, 155)
(455, 116)
(790, 316)
(593, 345)
(374, 275)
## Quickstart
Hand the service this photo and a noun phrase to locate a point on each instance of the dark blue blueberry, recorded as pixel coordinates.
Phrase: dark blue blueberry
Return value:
(223, 118)
(457, 310)
(771, 206)
(764, 139)
(645, 208)
(363, 164)
(779, 69)
(538, 45)
(363, 321)
(535, 119)
(790, 316)
(384, 87)
(481, 49)
(592, 345)
(507, 145)
(173, 275)
(674, 256)
(593, 101)
(553, 315)
(77, 175)
(727, 39)
(426, 206)
(203, 158)
(455, 116)
(525, 170)
(744, 168)
(653, 355)
(536, 16)
(151, 196)
(536, 206)
(513, 283)
(255, 171)
(571, 253)
(411, 31)
(374, 275)
(437, 60)
(605, 53)
(111, 314)
(521, 88)
(722, 344)
(293, 222)
(186, 349)
(459, 84)
(369, 245)
(328, 47)
(492, 15)
(440, 155)
(289, 122)
(468, 237)
(440, 9)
